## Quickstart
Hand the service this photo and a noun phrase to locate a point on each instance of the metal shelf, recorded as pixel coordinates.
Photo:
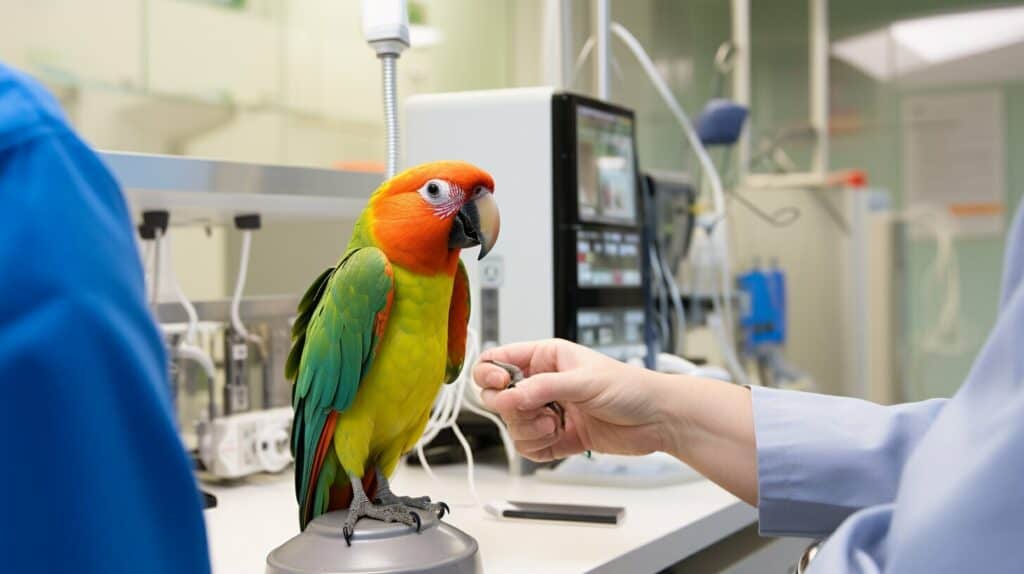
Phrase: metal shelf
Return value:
(254, 308)
(198, 191)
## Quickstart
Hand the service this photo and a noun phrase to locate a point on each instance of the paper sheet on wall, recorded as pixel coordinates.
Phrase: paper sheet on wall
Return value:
(954, 157)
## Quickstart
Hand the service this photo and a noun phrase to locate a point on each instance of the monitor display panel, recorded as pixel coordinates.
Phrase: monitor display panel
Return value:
(608, 258)
(616, 332)
(606, 166)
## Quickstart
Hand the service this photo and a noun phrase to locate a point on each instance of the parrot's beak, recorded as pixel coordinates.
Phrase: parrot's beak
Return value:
(477, 223)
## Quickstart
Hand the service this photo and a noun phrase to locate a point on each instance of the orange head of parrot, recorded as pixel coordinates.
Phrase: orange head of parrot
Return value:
(424, 216)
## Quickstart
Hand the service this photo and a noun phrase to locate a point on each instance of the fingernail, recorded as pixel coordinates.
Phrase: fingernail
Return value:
(486, 395)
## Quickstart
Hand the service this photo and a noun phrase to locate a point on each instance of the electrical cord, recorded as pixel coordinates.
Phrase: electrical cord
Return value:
(444, 414)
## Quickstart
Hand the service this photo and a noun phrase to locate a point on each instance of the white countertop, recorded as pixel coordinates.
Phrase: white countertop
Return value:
(662, 525)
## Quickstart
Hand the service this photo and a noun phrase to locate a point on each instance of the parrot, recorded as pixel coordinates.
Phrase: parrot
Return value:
(377, 334)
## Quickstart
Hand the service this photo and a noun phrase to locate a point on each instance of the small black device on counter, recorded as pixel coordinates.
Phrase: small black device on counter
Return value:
(557, 512)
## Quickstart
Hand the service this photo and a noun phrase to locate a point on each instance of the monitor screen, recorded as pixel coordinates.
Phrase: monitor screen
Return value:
(606, 166)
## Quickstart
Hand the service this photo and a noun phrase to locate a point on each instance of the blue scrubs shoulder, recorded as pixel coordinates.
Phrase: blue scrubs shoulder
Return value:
(936, 486)
(94, 477)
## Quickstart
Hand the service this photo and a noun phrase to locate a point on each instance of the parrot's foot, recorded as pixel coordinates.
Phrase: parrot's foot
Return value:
(515, 375)
(420, 502)
(388, 498)
(383, 512)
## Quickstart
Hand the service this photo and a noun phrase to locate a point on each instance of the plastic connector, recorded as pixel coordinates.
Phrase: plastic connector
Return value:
(153, 220)
(386, 25)
(147, 232)
(250, 221)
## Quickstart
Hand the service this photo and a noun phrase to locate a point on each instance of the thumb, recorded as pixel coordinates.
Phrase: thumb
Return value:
(567, 386)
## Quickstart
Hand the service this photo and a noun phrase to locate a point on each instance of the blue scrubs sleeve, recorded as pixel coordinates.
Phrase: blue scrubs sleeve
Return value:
(821, 458)
(95, 478)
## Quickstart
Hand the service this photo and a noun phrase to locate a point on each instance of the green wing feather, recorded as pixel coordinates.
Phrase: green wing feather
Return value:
(335, 337)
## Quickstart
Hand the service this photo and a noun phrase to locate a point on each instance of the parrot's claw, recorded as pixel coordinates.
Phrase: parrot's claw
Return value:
(383, 512)
(420, 502)
(516, 376)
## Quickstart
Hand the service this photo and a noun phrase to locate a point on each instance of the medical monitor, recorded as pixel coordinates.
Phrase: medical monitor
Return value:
(598, 228)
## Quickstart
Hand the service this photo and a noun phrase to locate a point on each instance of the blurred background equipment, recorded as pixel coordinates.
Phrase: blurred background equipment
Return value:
(833, 215)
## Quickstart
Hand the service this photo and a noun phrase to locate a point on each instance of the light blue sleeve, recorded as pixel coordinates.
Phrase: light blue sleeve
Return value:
(958, 507)
(821, 458)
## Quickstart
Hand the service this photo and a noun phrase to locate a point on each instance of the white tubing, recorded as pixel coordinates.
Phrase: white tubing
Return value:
(236, 299)
(708, 166)
(449, 403)
(187, 347)
(602, 16)
(588, 47)
(506, 439)
(470, 467)
(194, 353)
(718, 195)
(179, 293)
(945, 336)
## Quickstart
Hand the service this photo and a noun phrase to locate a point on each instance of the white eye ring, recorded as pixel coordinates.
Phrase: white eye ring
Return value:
(436, 191)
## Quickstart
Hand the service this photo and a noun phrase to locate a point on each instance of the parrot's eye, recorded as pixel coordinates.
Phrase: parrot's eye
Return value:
(437, 192)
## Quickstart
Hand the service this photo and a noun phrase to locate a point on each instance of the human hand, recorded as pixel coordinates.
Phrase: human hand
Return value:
(609, 406)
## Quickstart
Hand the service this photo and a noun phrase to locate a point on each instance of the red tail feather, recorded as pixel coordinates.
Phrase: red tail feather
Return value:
(323, 446)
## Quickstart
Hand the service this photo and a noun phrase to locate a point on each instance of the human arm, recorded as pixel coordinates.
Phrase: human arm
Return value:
(622, 409)
(806, 460)
(821, 458)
